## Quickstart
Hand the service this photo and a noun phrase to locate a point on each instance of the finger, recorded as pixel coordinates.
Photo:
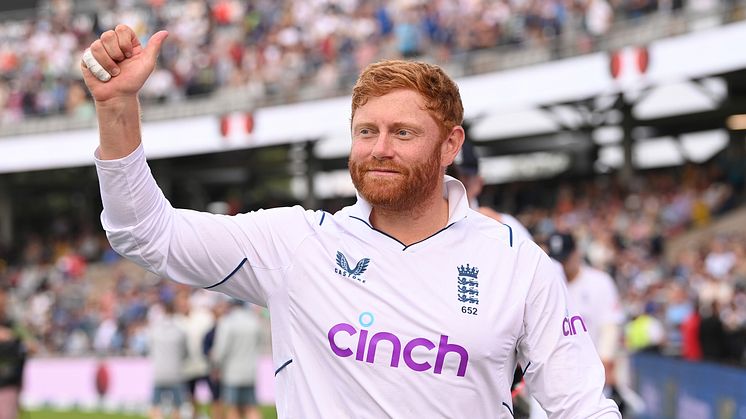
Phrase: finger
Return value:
(93, 67)
(90, 78)
(103, 58)
(87, 75)
(111, 45)
(127, 39)
(154, 44)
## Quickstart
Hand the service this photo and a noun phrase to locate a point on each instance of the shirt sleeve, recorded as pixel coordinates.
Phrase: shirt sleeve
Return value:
(562, 369)
(610, 306)
(610, 317)
(244, 256)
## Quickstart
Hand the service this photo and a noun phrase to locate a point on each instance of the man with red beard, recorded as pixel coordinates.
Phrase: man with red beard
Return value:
(406, 303)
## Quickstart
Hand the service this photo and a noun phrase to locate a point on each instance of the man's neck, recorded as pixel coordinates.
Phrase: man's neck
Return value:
(572, 274)
(415, 225)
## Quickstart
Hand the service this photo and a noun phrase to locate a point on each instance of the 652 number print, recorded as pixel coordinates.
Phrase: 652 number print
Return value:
(469, 310)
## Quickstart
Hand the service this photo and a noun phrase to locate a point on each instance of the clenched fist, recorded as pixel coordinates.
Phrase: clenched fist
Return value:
(119, 52)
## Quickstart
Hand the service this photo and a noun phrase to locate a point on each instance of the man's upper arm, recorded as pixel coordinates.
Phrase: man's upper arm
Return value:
(563, 371)
(196, 248)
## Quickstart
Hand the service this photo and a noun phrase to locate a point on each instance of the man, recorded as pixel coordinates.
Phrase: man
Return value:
(219, 309)
(196, 319)
(168, 351)
(12, 360)
(593, 294)
(236, 355)
(405, 303)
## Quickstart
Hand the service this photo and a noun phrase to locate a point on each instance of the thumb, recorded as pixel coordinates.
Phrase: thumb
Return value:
(153, 46)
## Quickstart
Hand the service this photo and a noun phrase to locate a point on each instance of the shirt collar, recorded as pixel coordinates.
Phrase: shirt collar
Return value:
(453, 190)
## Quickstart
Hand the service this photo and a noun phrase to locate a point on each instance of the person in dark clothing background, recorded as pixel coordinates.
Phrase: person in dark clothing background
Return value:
(12, 360)
(712, 333)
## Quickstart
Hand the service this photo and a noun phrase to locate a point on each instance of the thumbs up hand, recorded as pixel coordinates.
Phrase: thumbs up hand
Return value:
(127, 63)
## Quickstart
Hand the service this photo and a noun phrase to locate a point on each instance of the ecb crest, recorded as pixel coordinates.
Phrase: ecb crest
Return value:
(468, 285)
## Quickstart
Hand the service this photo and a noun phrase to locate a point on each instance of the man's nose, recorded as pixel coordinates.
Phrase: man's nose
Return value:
(383, 148)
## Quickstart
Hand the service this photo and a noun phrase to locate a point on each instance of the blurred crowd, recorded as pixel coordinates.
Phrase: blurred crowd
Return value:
(263, 48)
(690, 302)
(73, 295)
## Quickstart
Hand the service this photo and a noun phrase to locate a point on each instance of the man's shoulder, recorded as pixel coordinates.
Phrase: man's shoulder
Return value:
(506, 222)
(489, 228)
(294, 220)
(596, 278)
(295, 212)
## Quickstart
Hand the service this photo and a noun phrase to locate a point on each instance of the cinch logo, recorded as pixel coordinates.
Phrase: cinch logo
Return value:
(366, 348)
(344, 267)
(568, 326)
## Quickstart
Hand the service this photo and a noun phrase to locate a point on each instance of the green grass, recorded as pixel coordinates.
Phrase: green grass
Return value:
(268, 412)
(73, 414)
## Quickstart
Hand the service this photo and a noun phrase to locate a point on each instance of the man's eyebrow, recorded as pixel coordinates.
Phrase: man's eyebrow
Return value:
(409, 125)
(363, 124)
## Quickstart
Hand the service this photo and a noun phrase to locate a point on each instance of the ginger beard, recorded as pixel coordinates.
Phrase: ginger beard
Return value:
(411, 187)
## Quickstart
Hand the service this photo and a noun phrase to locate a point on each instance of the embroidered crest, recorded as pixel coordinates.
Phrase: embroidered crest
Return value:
(468, 285)
(344, 269)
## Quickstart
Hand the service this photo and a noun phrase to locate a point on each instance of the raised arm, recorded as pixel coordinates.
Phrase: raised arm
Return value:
(244, 256)
(119, 52)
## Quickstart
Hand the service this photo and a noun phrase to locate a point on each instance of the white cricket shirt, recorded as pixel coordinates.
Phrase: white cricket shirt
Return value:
(362, 325)
(594, 296)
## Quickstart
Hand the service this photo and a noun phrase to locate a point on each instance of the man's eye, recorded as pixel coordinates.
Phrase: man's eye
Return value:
(365, 131)
(402, 133)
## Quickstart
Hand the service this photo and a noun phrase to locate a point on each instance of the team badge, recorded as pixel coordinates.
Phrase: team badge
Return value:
(468, 288)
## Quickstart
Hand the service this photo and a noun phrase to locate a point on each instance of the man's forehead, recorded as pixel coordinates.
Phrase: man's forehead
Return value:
(396, 97)
(400, 105)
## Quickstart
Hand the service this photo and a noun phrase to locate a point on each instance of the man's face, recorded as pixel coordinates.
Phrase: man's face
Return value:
(396, 160)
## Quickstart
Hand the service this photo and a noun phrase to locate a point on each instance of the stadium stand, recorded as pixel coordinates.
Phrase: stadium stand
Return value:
(284, 51)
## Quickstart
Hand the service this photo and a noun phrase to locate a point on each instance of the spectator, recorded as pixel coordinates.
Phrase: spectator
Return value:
(197, 320)
(219, 310)
(168, 352)
(691, 349)
(719, 261)
(712, 333)
(235, 352)
(599, 17)
(12, 360)
(645, 332)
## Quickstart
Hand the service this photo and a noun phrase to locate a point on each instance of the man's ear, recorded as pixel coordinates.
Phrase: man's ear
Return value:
(451, 146)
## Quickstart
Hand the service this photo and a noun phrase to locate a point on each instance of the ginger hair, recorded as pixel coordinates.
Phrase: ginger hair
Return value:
(441, 94)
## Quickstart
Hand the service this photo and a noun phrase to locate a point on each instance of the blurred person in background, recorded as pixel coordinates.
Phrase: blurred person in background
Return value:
(219, 309)
(645, 333)
(594, 295)
(236, 353)
(197, 319)
(12, 359)
(691, 348)
(467, 171)
(712, 337)
(168, 352)
(410, 227)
